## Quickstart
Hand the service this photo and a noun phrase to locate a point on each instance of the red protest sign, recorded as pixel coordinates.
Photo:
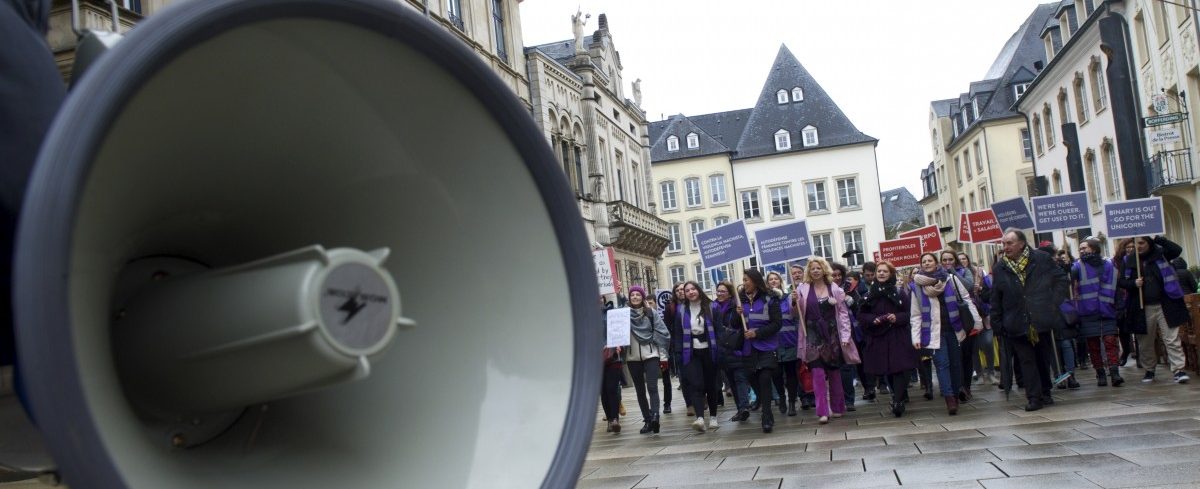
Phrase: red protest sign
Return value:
(903, 252)
(931, 238)
(964, 229)
(984, 226)
(876, 253)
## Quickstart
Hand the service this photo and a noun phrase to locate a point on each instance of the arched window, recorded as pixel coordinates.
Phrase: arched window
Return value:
(693, 141)
(672, 143)
(783, 140)
(1099, 93)
(1064, 114)
(1037, 134)
(781, 96)
(1092, 174)
(1080, 92)
(797, 94)
(810, 136)
(1048, 125)
(1112, 169)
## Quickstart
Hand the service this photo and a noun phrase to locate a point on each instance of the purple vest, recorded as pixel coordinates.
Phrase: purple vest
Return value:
(685, 313)
(788, 336)
(757, 316)
(1097, 289)
(1170, 280)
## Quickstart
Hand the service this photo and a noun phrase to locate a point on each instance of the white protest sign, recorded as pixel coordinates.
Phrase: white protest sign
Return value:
(604, 270)
(618, 327)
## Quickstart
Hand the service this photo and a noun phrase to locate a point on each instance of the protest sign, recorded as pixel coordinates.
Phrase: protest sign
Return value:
(1138, 217)
(903, 252)
(605, 271)
(984, 226)
(661, 298)
(784, 243)
(1060, 212)
(1013, 213)
(618, 327)
(931, 238)
(724, 244)
(964, 228)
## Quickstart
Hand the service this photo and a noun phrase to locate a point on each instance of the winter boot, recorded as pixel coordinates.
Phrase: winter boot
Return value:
(1101, 378)
(1115, 373)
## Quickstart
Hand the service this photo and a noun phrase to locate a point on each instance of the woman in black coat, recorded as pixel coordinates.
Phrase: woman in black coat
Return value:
(888, 348)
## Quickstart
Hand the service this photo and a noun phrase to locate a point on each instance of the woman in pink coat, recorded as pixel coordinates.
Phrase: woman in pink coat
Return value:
(826, 329)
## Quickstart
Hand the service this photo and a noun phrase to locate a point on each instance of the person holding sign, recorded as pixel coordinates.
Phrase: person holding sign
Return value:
(884, 316)
(1149, 273)
(826, 331)
(1096, 280)
(648, 337)
(698, 351)
(763, 320)
(729, 336)
(1028, 288)
(941, 302)
(786, 380)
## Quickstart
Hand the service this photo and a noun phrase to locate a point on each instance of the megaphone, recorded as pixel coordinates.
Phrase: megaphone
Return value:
(302, 244)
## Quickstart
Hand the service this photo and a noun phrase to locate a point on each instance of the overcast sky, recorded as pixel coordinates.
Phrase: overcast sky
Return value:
(882, 61)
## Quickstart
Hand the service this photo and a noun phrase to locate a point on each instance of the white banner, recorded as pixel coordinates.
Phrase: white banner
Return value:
(604, 270)
(1163, 135)
(618, 327)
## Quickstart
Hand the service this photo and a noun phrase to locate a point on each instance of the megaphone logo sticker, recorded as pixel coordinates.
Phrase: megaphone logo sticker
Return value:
(351, 299)
(356, 300)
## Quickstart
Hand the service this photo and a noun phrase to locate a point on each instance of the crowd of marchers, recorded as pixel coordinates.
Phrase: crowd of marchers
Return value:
(947, 324)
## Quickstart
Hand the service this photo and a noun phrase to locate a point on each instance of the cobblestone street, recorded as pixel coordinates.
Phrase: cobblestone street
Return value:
(1137, 435)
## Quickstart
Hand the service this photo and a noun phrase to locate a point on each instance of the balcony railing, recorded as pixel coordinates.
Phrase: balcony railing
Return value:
(636, 229)
(1169, 168)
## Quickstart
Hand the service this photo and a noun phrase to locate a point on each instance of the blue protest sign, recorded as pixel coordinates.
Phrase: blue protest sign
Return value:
(725, 244)
(1013, 213)
(1138, 217)
(783, 243)
(1062, 211)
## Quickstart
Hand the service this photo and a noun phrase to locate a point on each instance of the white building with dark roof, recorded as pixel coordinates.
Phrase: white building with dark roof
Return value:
(793, 155)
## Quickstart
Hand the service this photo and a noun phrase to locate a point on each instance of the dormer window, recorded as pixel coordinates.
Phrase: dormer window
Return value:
(810, 136)
(975, 108)
(783, 140)
(781, 96)
(672, 143)
(693, 141)
(1019, 90)
(797, 94)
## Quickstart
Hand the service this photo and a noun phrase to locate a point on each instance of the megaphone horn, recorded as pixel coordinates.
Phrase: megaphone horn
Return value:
(221, 227)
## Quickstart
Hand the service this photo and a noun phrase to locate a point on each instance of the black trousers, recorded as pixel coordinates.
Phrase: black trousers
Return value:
(969, 352)
(1034, 368)
(787, 379)
(645, 381)
(701, 378)
(899, 387)
(610, 392)
(762, 365)
(666, 378)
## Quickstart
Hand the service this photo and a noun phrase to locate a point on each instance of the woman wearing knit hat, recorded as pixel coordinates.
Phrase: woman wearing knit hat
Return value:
(648, 338)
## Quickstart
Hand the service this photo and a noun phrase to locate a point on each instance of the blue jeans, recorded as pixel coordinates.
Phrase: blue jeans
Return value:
(947, 360)
(741, 383)
(1067, 350)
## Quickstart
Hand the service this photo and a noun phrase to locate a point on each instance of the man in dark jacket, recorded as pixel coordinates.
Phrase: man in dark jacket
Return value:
(1027, 290)
(1164, 309)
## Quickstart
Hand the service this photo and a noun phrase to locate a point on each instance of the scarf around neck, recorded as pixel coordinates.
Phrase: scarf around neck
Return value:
(641, 324)
(883, 291)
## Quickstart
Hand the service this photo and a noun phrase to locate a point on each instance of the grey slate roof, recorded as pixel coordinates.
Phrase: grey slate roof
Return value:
(726, 127)
(899, 206)
(680, 126)
(817, 109)
(561, 51)
(1013, 65)
(942, 107)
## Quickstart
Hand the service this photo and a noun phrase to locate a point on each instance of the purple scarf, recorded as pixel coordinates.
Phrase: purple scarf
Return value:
(926, 307)
(685, 312)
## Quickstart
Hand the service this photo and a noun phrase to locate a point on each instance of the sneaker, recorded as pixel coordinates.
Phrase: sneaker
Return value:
(1181, 377)
(1149, 377)
(713, 424)
(698, 424)
(823, 419)
(1072, 384)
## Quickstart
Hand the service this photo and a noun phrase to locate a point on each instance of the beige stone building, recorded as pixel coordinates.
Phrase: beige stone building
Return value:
(981, 147)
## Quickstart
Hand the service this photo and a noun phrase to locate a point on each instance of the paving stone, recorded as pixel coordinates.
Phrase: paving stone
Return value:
(778, 459)
(968, 471)
(841, 444)
(1163, 426)
(1155, 456)
(704, 447)
(876, 452)
(645, 469)
(935, 446)
(891, 431)
(1144, 417)
(946, 485)
(624, 482)
(754, 484)
(767, 450)
(992, 423)
(671, 458)
(1194, 434)
(950, 459)
(812, 469)
(1045, 425)
(1130, 443)
(883, 478)
(789, 439)
(1031, 451)
(1180, 473)
(697, 477)
(1044, 481)
(1057, 436)
(933, 436)
(1064, 412)
(1052, 465)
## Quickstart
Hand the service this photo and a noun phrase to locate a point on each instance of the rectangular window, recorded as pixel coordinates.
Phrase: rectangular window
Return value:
(853, 240)
(983, 198)
(823, 245)
(750, 208)
(1081, 108)
(783, 140)
(620, 185)
(847, 193)
(704, 279)
(1099, 93)
(668, 196)
(967, 161)
(1026, 145)
(971, 197)
(716, 188)
(1019, 90)
(498, 27)
(1143, 42)
(958, 171)
(696, 227)
(677, 275)
(676, 244)
(816, 197)
(1114, 173)
(781, 201)
(691, 188)
(454, 13)
(720, 221)
(978, 159)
